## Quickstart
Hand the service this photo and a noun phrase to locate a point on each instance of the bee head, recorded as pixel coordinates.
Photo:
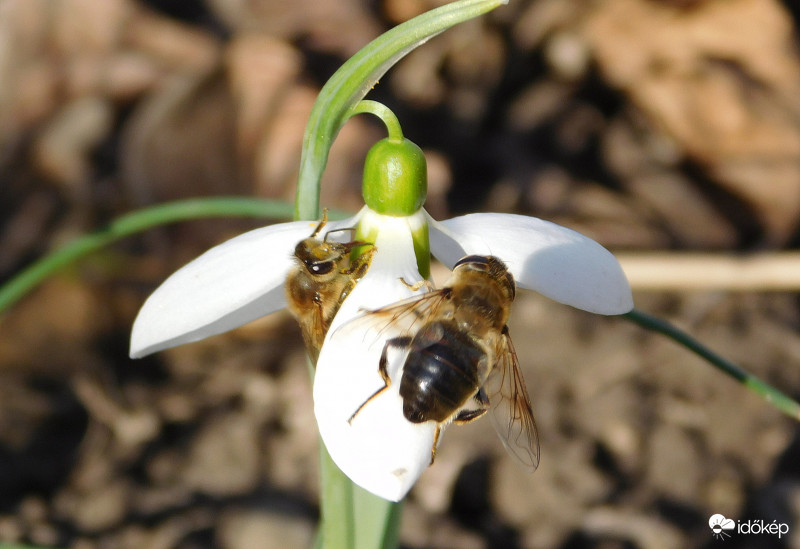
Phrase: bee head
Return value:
(318, 257)
(494, 268)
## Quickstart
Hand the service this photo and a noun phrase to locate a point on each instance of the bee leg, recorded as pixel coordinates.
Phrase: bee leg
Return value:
(417, 285)
(382, 370)
(465, 416)
(357, 271)
(359, 267)
(435, 443)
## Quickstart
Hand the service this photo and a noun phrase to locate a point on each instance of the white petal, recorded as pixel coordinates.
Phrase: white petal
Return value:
(555, 261)
(231, 284)
(380, 451)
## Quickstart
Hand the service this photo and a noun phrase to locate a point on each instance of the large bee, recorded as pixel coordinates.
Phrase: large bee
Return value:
(324, 275)
(460, 361)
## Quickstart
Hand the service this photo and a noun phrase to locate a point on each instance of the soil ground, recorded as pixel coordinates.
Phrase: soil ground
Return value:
(648, 125)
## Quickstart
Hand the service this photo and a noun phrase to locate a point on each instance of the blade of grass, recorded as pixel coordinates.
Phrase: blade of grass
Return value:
(140, 220)
(772, 395)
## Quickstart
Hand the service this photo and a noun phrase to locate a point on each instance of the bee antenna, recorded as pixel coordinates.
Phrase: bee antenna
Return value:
(322, 222)
(352, 229)
(355, 243)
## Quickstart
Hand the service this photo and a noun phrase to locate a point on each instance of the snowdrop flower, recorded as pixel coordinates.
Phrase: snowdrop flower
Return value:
(242, 279)
(228, 286)
(381, 450)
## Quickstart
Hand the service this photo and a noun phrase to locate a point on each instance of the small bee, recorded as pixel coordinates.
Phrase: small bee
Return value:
(321, 280)
(460, 361)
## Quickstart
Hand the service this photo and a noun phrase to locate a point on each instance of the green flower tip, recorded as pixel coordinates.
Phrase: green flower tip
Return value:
(395, 177)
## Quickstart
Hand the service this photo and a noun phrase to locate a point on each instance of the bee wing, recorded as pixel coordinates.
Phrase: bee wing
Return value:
(511, 406)
(401, 317)
(318, 326)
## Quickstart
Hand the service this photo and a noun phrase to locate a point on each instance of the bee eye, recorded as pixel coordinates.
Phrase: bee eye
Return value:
(320, 268)
(477, 261)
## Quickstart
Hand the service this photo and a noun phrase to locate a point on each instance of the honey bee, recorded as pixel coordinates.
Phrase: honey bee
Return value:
(460, 361)
(324, 275)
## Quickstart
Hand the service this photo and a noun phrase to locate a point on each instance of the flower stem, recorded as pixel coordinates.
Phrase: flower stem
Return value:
(353, 518)
(378, 524)
(355, 78)
(338, 517)
(772, 395)
(383, 112)
(135, 222)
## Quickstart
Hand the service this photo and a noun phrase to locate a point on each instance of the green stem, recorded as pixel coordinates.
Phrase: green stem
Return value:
(138, 221)
(772, 395)
(337, 509)
(355, 78)
(383, 112)
(378, 525)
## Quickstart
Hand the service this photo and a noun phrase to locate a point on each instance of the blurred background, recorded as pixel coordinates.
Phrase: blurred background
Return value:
(668, 125)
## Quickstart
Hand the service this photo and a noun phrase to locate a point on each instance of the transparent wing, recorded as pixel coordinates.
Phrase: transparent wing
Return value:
(317, 328)
(510, 404)
(403, 317)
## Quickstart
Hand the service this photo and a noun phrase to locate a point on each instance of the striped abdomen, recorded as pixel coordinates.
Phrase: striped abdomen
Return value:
(440, 373)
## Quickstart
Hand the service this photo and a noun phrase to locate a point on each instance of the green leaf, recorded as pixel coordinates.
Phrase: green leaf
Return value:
(766, 391)
(135, 222)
